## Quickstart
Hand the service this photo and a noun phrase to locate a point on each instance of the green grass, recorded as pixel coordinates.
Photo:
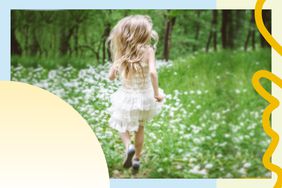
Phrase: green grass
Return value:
(226, 78)
(210, 126)
(53, 62)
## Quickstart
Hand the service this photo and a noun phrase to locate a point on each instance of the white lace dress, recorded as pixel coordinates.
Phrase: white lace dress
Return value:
(134, 102)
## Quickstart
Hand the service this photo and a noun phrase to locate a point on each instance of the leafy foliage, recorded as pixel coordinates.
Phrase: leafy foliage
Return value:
(83, 33)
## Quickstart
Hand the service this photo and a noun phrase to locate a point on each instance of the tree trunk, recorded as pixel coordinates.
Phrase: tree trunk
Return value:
(208, 42)
(266, 15)
(106, 33)
(35, 47)
(224, 27)
(214, 30)
(253, 30)
(167, 38)
(253, 39)
(215, 40)
(15, 46)
(251, 33)
(239, 21)
(197, 32)
(26, 43)
(65, 40)
(238, 18)
(75, 36)
(247, 41)
(212, 34)
(230, 35)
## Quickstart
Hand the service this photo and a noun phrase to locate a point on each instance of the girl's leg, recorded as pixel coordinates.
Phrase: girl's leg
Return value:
(129, 149)
(139, 140)
(125, 137)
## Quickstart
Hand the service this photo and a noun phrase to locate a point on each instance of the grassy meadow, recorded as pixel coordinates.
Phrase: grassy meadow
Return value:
(210, 126)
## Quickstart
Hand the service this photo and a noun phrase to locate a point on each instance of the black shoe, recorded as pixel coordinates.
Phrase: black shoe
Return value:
(135, 166)
(129, 155)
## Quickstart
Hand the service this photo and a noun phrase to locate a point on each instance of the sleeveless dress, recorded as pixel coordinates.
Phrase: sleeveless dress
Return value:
(134, 102)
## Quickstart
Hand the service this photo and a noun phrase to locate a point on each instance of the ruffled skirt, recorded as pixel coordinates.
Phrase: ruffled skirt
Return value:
(130, 107)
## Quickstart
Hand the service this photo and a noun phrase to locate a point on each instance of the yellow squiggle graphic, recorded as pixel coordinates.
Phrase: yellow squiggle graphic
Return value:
(265, 33)
(274, 103)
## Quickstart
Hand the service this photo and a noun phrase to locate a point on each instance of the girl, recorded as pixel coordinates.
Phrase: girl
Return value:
(139, 98)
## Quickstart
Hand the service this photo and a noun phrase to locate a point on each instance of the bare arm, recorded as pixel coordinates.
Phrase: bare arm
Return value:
(112, 73)
(154, 75)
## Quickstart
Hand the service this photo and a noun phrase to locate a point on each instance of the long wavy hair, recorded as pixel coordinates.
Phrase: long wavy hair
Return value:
(128, 42)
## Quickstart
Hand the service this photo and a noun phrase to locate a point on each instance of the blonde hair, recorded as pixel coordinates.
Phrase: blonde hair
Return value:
(128, 42)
